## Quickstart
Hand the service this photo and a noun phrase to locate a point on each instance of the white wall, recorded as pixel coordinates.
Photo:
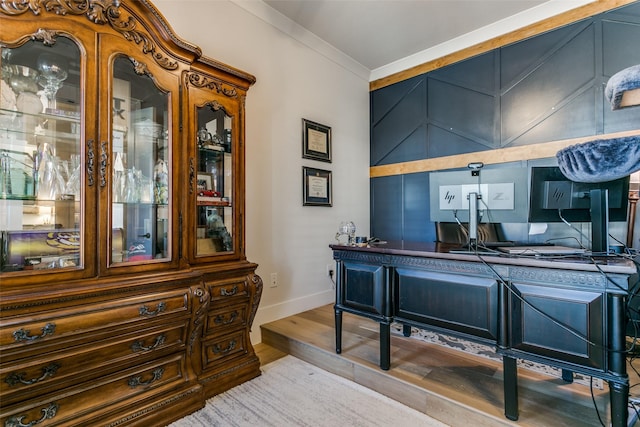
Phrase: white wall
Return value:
(293, 82)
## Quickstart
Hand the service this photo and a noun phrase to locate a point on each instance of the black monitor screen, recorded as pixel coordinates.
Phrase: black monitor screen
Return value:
(553, 194)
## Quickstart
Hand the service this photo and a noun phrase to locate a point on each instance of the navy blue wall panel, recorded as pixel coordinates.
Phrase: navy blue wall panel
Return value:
(455, 144)
(415, 209)
(400, 208)
(398, 124)
(386, 207)
(545, 88)
(574, 119)
(568, 70)
(462, 111)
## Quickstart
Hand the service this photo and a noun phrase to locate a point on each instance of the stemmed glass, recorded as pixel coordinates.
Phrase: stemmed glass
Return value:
(52, 73)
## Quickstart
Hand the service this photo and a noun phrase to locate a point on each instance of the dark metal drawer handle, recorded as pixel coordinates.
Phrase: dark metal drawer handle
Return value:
(139, 346)
(47, 413)
(232, 292)
(219, 320)
(145, 311)
(47, 371)
(25, 335)
(217, 349)
(137, 381)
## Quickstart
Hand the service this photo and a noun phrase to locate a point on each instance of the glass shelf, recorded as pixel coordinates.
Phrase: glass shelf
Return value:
(215, 182)
(140, 168)
(40, 149)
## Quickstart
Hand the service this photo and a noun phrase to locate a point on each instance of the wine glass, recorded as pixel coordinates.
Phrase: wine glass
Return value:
(5, 60)
(52, 73)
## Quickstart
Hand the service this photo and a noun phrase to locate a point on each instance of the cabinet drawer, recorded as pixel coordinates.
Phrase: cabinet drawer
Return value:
(95, 397)
(365, 289)
(562, 324)
(226, 318)
(36, 376)
(228, 291)
(464, 304)
(68, 323)
(226, 347)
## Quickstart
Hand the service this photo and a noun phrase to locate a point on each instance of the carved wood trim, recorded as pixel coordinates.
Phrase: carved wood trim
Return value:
(100, 12)
(558, 277)
(201, 302)
(256, 296)
(444, 266)
(205, 82)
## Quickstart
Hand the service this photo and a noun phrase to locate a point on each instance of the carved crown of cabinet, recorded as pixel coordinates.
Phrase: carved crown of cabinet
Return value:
(126, 295)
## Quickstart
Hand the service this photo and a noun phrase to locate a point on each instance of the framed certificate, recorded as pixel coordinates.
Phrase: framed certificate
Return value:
(316, 187)
(316, 141)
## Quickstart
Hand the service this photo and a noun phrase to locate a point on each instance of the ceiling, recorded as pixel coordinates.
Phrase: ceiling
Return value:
(376, 33)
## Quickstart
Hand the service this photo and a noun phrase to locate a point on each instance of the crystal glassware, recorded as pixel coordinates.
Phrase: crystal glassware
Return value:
(52, 73)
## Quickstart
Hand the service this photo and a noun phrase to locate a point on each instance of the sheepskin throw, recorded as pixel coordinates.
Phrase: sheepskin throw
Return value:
(623, 88)
(600, 160)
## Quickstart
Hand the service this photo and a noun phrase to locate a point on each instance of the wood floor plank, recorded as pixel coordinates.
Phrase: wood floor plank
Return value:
(455, 387)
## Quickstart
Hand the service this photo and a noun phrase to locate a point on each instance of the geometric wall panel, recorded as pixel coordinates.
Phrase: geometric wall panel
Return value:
(565, 70)
(546, 88)
(572, 120)
(455, 143)
(464, 111)
(399, 125)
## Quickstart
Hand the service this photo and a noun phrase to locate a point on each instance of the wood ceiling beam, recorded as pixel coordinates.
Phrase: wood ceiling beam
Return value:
(535, 29)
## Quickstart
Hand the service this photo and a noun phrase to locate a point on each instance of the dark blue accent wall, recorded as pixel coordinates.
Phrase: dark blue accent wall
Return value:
(546, 88)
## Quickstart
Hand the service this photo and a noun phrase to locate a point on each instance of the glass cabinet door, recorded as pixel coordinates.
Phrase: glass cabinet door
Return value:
(41, 171)
(140, 168)
(214, 181)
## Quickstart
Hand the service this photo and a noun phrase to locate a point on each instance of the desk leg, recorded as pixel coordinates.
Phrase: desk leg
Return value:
(385, 345)
(618, 390)
(406, 330)
(618, 396)
(510, 387)
(338, 317)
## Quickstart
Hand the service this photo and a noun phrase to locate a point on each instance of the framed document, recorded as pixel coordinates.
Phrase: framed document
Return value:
(316, 187)
(316, 141)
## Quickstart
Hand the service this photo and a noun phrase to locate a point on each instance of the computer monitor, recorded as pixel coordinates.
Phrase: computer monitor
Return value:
(555, 198)
(503, 195)
(553, 194)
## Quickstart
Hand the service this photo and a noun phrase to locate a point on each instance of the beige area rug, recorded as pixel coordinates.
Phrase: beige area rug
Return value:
(294, 393)
(489, 352)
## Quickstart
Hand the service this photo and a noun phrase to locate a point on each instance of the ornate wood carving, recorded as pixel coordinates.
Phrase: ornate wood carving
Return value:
(201, 81)
(100, 12)
(201, 299)
(255, 297)
(47, 37)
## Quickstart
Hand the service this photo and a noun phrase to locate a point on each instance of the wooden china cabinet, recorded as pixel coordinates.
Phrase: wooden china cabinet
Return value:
(125, 293)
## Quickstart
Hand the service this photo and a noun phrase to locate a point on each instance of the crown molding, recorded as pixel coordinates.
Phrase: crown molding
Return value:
(274, 18)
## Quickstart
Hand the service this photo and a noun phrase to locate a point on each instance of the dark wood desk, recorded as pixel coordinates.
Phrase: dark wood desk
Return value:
(569, 313)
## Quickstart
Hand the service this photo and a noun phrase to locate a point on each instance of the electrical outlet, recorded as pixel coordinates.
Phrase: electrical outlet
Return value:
(330, 269)
(274, 280)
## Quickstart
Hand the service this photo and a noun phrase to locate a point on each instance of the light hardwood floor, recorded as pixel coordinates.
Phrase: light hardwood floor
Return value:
(454, 387)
